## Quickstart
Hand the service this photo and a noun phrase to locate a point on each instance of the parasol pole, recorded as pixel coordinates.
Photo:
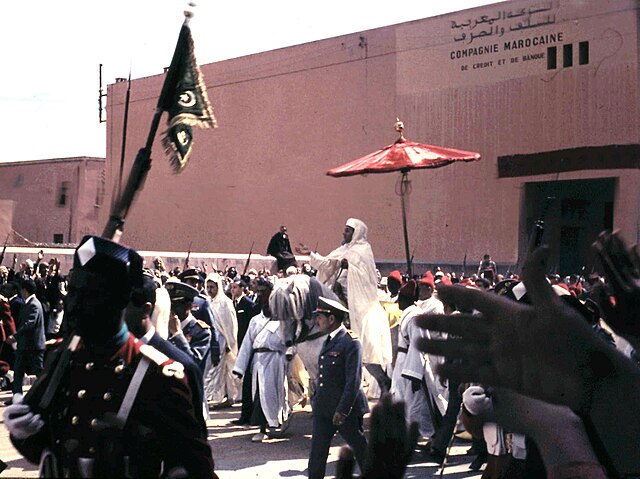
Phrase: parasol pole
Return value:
(404, 186)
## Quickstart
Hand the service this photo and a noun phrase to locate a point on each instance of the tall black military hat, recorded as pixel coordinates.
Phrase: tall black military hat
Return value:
(120, 266)
(180, 291)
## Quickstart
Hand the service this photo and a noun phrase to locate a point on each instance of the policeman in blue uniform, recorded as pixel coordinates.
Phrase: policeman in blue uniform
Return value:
(191, 335)
(201, 308)
(339, 403)
(108, 406)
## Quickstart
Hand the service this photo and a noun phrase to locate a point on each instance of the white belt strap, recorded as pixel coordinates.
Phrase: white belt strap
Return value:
(132, 390)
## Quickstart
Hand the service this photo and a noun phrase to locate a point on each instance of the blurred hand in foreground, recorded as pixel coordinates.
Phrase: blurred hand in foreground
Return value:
(545, 350)
(622, 271)
(391, 444)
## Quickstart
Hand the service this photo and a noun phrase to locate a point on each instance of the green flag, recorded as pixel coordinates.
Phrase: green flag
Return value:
(184, 97)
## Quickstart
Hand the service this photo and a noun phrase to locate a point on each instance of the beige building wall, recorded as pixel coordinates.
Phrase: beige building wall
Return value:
(477, 80)
(51, 201)
(6, 219)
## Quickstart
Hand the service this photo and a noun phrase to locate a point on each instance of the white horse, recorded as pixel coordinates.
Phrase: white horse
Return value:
(292, 302)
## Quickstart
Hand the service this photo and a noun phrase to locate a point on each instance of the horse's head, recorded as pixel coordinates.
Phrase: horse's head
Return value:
(293, 301)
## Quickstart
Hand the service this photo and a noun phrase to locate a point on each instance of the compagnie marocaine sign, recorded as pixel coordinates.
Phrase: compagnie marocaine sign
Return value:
(505, 36)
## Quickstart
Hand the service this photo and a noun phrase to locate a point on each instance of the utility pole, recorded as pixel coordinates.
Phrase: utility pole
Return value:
(101, 97)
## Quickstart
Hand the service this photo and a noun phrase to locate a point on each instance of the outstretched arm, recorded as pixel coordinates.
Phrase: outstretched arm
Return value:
(558, 432)
(546, 351)
(622, 270)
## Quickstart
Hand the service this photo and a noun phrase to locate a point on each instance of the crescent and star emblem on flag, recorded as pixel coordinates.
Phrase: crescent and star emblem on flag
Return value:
(187, 99)
(183, 137)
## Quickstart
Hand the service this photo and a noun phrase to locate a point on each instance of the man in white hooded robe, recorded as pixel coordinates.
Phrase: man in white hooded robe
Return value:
(352, 265)
(220, 385)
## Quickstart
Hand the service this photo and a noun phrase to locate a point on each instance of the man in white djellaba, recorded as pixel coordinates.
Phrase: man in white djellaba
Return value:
(352, 266)
(426, 365)
(264, 349)
(220, 385)
(408, 371)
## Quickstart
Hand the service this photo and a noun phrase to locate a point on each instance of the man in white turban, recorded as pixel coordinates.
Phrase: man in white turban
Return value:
(353, 268)
(219, 383)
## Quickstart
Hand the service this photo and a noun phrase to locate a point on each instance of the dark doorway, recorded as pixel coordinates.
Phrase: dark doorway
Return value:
(574, 213)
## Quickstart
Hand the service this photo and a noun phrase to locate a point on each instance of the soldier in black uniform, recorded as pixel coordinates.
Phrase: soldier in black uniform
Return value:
(280, 248)
(108, 406)
(338, 403)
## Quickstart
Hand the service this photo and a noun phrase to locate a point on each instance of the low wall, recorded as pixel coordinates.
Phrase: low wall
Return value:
(174, 259)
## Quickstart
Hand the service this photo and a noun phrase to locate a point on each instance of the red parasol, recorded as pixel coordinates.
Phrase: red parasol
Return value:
(403, 156)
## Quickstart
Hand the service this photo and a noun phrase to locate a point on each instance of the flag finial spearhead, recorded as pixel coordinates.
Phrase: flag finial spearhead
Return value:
(399, 127)
(189, 11)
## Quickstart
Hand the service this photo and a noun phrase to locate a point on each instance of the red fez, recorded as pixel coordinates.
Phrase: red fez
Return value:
(576, 289)
(408, 290)
(427, 278)
(395, 274)
(445, 280)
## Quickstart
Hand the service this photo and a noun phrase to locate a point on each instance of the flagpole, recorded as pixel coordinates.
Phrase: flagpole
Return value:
(124, 133)
(4, 248)
(142, 163)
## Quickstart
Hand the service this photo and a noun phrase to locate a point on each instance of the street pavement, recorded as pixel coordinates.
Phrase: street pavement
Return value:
(237, 457)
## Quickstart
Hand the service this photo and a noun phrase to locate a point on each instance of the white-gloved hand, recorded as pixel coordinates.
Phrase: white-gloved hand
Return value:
(20, 420)
(476, 401)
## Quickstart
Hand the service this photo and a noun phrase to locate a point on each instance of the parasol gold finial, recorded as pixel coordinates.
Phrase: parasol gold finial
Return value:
(399, 127)
(188, 12)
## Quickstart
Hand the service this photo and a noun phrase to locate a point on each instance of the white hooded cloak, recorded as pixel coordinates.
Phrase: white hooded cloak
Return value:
(367, 316)
(218, 380)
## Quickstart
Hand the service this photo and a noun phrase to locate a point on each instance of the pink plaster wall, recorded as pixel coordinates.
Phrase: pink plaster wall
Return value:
(287, 116)
(33, 189)
(6, 219)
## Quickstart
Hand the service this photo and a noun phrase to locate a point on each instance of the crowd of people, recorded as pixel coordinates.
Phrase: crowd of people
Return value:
(542, 371)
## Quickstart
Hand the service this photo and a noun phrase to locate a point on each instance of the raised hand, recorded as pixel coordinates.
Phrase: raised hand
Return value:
(346, 463)
(302, 249)
(174, 324)
(544, 350)
(391, 444)
(557, 431)
(622, 271)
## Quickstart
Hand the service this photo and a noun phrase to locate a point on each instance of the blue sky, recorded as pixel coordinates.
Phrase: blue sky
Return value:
(50, 52)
